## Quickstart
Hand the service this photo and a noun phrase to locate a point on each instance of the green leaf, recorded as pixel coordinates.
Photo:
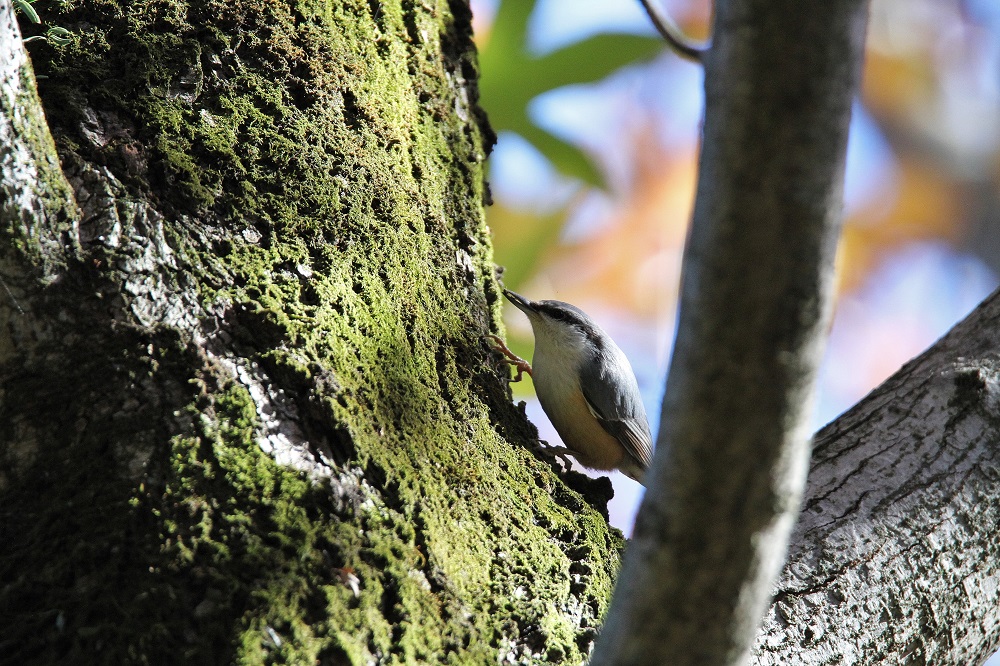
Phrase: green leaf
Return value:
(24, 6)
(528, 235)
(59, 36)
(565, 157)
(512, 77)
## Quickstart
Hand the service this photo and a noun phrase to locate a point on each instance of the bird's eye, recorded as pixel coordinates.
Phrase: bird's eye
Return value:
(557, 314)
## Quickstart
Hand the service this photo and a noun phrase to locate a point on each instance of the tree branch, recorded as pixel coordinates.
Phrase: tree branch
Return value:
(733, 444)
(894, 558)
(672, 32)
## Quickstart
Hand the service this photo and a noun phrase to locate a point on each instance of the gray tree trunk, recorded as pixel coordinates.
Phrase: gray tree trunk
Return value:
(896, 555)
(246, 413)
(732, 450)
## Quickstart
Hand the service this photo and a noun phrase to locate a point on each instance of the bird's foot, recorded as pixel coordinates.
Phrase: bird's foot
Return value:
(496, 344)
(556, 453)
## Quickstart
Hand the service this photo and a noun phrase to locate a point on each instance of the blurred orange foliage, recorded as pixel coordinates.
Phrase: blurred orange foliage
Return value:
(627, 256)
(633, 258)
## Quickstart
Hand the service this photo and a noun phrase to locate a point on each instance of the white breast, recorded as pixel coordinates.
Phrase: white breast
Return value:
(556, 361)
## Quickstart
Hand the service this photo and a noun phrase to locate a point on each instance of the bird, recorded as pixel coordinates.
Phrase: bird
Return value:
(586, 387)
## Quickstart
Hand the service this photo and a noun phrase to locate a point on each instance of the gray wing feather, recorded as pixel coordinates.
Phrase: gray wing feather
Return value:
(612, 395)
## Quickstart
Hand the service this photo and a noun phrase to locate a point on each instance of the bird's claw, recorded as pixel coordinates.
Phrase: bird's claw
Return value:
(510, 357)
(556, 453)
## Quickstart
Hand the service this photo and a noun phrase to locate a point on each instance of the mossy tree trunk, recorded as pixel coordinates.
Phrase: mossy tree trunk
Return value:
(246, 413)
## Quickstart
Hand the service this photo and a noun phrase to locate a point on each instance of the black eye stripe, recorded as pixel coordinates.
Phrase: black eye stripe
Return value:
(572, 315)
(556, 313)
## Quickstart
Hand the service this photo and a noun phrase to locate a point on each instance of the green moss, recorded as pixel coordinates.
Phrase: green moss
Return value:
(333, 152)
(29, 230)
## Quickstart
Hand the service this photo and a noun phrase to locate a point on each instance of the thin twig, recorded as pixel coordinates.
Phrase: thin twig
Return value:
(671, 32)
(12, 299)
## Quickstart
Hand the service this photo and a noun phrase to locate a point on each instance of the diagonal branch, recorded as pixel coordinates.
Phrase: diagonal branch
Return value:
(894, 558)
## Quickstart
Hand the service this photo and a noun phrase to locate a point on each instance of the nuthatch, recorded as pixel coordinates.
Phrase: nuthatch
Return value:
(586, 387)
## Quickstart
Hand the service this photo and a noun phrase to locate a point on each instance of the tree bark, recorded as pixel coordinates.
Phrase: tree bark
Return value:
(246, 413)
(895, 558)
(732, 449)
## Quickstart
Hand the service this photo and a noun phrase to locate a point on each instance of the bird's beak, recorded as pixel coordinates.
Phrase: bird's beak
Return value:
(520, 302)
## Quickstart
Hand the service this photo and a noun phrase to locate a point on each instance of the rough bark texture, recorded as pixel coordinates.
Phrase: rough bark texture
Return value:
(246, 413)
(733, 444)
(896, 556)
